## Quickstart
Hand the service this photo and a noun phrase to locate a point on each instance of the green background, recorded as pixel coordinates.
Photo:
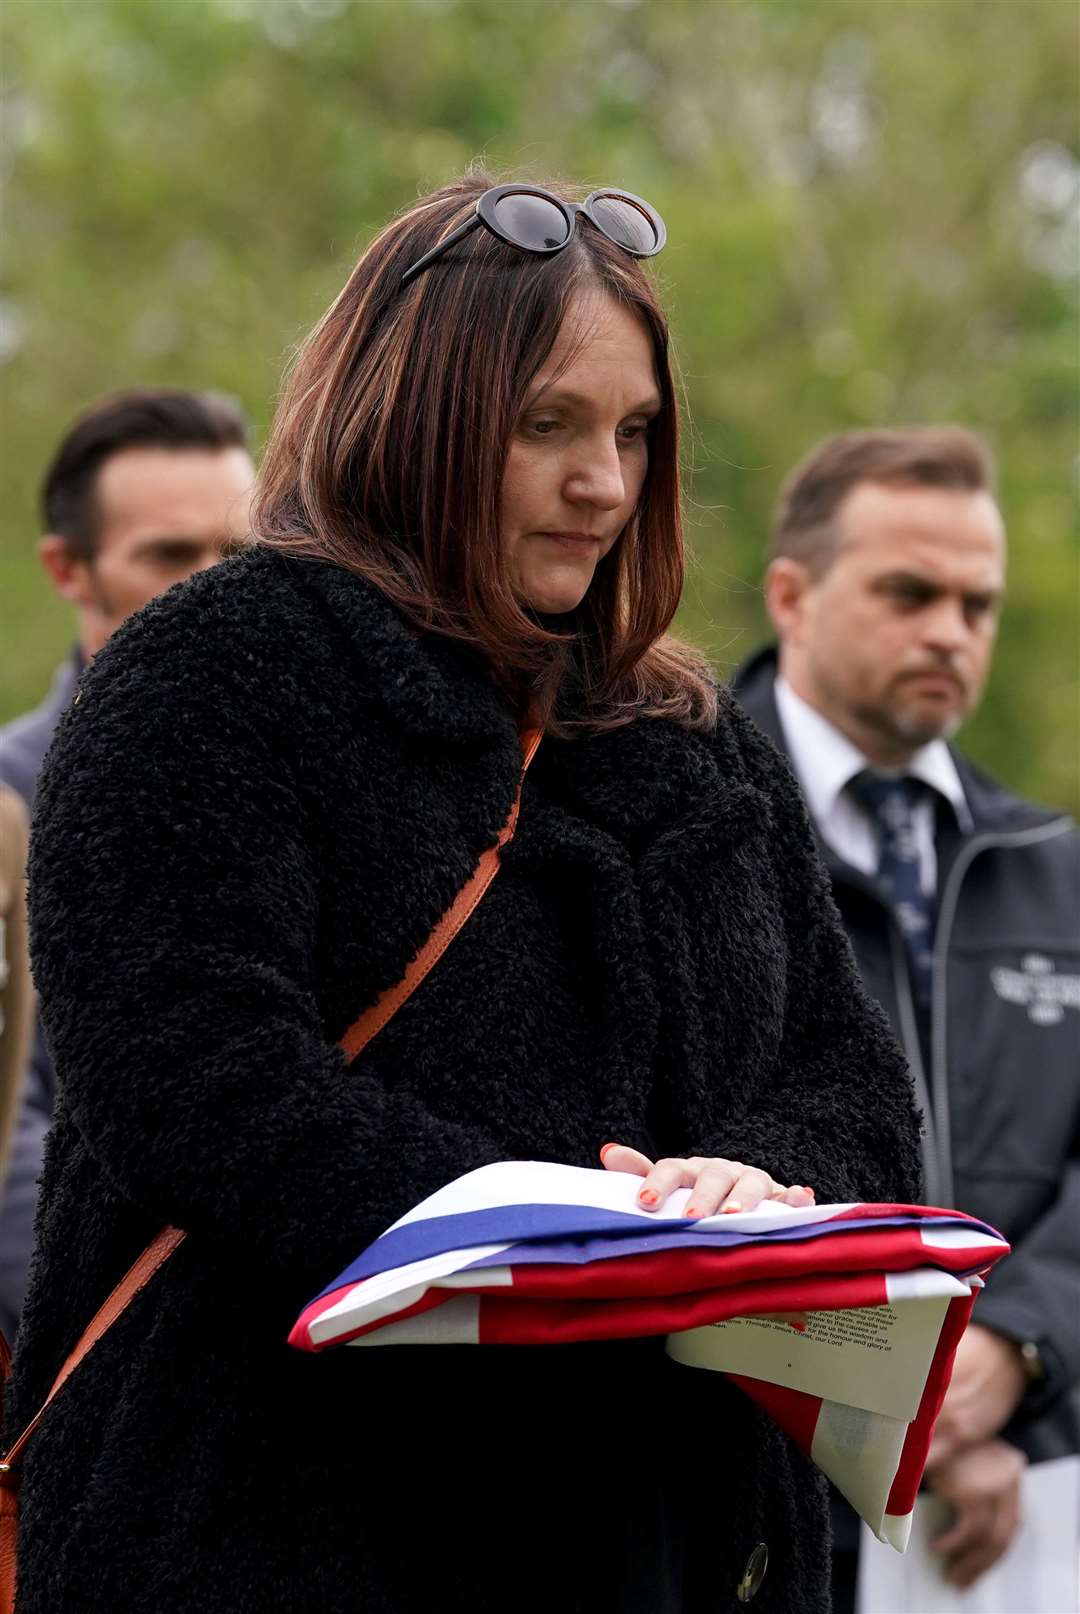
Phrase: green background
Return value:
(872, 212)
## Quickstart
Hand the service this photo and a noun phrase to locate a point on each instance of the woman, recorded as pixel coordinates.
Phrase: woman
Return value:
(275, 781)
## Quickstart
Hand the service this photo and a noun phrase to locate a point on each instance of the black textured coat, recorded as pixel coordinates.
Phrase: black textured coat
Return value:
(266, 793)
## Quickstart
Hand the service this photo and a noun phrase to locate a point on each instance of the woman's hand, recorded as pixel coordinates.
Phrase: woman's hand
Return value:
(718, 1185)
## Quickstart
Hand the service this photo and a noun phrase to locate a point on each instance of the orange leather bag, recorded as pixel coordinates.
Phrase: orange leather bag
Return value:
(169, 1239)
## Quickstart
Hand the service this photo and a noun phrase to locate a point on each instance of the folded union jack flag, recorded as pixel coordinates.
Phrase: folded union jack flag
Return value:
(874, 1299)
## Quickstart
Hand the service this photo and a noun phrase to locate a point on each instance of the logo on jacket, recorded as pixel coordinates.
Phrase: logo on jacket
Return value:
(1043, 993)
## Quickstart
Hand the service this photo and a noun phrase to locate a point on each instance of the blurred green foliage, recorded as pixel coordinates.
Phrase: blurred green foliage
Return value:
(872, 213)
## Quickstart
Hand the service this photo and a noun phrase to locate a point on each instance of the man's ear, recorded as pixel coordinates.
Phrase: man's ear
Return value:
(786, 584)
(69, 575)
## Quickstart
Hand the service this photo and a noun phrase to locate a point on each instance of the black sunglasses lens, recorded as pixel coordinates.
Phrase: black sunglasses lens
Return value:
(625, 223)
(531, 222)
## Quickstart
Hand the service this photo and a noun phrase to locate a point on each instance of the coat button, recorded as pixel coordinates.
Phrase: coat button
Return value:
(753, 1574)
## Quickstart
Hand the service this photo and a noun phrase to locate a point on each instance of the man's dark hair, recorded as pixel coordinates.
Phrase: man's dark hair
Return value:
(911, 456)
(143, 417)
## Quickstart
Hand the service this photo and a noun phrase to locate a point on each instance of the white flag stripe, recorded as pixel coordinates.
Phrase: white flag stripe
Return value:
(392, 1291)
(925, 1283)
(539, 1182)
(955, 1238)
(479, 1278)
(456, 1323)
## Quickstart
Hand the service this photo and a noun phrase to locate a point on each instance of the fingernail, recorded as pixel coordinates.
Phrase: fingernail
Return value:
(733, 1205)
(800, 1328)
(606, 1150)
(691, 1212)
(647, 1196)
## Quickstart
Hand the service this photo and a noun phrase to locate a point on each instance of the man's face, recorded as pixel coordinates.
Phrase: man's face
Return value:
(163, 514)
(893, 641)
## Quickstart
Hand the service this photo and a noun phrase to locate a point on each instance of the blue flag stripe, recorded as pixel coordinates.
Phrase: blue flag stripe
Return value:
(534, 1224)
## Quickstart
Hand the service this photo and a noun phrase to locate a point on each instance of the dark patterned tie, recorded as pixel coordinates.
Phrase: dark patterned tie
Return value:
(890, 803)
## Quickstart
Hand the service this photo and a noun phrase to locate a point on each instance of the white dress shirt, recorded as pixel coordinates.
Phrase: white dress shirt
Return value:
(825, 762)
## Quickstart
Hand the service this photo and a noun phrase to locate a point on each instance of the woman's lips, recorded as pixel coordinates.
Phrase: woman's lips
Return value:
(578, 543)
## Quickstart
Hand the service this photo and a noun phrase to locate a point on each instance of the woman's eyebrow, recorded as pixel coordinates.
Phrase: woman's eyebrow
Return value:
(554, 393)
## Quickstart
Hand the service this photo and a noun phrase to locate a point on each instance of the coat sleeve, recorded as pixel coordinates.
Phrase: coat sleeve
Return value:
(174, 893)
(837, 1112)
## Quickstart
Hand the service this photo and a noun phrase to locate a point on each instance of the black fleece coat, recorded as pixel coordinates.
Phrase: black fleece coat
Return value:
(265, 794)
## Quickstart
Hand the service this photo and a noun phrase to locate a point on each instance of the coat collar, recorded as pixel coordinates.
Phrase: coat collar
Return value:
(651, 779)
(633, 783)
(436, 689)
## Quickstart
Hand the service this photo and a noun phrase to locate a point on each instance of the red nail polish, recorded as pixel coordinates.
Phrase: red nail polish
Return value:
(648, 1197)
(606, 1150)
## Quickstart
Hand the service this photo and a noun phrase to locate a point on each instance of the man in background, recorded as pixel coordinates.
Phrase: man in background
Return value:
(146, 488)
(960, 900)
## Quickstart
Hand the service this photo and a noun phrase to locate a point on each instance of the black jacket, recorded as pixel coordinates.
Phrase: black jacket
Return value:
(266, 793)
(1002, 1095)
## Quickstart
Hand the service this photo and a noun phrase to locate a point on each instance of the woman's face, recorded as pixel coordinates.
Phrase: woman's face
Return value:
(579, 453)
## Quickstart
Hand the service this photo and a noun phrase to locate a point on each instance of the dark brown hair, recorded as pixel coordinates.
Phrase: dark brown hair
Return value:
(913, 456)
(392, 434)
(142, 417)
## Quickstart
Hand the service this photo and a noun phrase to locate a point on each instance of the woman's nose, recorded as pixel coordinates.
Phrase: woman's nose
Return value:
(598, 478)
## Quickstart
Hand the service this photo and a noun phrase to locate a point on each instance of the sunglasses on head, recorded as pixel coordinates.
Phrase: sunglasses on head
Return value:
(536, 221)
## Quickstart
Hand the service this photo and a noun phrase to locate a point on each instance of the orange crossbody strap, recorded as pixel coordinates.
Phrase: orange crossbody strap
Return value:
(137, 1277)
(374, 1018)
(358, 1036)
